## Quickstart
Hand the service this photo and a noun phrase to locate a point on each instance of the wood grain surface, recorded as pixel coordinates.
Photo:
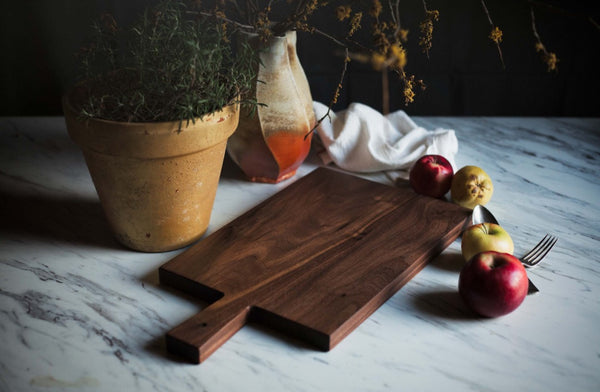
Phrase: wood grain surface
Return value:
(313, 261)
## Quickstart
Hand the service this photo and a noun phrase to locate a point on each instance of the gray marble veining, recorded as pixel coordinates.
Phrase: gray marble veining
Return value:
(79, 312)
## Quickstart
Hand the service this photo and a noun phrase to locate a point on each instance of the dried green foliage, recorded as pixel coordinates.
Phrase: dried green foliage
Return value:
(171, 65)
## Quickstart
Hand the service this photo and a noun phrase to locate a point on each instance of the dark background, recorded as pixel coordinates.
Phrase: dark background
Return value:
(464, 76)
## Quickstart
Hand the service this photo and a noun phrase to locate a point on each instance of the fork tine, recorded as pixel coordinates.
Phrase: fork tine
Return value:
(540, 250)
(529, 254)
(545, 251)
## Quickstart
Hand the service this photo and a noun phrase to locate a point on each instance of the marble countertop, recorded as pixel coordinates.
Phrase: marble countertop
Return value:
(79, 312)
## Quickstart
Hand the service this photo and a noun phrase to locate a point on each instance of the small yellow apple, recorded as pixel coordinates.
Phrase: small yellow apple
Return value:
(471, 186)
(485, 237)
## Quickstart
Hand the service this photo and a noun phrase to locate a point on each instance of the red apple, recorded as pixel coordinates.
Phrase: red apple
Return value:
(493, 284)
(431, 175)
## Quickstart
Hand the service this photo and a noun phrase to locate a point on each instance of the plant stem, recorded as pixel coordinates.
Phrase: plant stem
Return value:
(335, 97)
(385, 91)
(492, 25)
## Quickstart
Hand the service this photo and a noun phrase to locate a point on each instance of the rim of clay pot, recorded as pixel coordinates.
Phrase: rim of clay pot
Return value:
(150, 139)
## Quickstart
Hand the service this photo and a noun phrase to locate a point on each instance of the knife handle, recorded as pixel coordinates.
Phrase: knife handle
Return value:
(531, 289)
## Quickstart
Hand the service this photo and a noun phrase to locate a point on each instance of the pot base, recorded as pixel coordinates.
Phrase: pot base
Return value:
(269, 180)
(153, 247)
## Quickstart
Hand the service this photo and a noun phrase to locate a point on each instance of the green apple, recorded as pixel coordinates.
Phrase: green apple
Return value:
(485, 237)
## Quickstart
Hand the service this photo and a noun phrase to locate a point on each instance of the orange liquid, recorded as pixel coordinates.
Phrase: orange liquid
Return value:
(289, 151)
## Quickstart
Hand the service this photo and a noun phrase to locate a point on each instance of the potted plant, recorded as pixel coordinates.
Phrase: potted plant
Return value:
(152, 114)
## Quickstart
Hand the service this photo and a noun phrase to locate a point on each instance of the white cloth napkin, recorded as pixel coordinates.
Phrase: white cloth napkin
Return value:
(360, 139)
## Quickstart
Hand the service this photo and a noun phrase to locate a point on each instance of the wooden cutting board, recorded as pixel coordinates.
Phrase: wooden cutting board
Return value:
(313, 261)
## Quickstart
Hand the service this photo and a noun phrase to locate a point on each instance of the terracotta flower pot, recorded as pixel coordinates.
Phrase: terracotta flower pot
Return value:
(271, 144)
(156, 182)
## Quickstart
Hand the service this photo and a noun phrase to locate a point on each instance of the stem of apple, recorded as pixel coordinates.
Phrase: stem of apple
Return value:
(484, 227)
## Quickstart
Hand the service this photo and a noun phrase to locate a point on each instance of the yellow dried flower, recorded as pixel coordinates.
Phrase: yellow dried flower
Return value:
(551, 61)
(375, 10)
(380, 39)
(262, 26)
(343, 12)
(549, 58)
(408, 92)
(426, 28)
(310, 8)
(221, 15)
(355, 23)
(399, 54)
(378, 61)
(360, 57)
(433, 15)
(539, 47)
(496, 35)
(336, 95)
(302, 26)
(403, 35)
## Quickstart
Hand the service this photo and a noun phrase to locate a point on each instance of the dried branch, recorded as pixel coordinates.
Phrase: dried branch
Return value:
(558, 10)
(328, 36)
(426, 28)
(547, 57)
(385, 92)
(336, 95)
(594, 23)
(221, 18)
(496, 33)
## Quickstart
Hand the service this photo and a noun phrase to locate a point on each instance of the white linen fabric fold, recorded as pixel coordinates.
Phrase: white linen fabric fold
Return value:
(360, 139)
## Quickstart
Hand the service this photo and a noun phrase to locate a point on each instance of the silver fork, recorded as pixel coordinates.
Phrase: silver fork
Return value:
(536, 255)
(539, 251)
